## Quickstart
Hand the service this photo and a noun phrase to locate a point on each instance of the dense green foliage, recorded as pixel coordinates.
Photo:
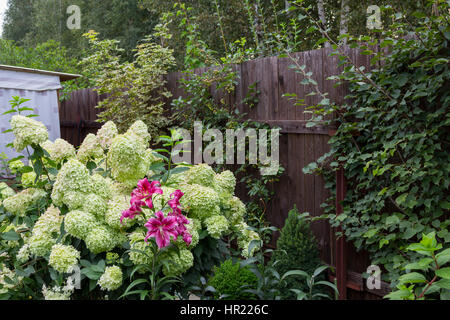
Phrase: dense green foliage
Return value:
(229, 279)
(393, 140)
(17, 20)
(139, 85)
(32, 23)
(428, 277)
(296, 249)
(48, 55)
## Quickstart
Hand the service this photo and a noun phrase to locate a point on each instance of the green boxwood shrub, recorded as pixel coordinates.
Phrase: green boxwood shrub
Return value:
(296, 250)
(229, 279)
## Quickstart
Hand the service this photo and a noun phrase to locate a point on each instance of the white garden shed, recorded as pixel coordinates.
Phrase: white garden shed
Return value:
(42, 88)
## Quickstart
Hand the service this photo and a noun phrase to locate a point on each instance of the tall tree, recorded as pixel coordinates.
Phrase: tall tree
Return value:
(33, 22)
(343, 29)
(17, 19)
(322, 17)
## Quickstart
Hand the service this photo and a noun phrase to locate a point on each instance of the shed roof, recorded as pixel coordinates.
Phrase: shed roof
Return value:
(62, 76)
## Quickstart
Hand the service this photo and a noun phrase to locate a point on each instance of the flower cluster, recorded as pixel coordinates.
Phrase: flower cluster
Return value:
(102, 238)
(116, 203)
(18, 204)
(106, 134)
(140, 130)
(178, 264)
(15, 165)
(24, 253)
(138, 247)
(28, 179)
(59, 150)
(8, 279)
(111, 279)
(63, 258)
(217, 226)
(244, 240)
(27, 132)
(162, 228)
(58, 293)
(90, 149)
(6, 191)
(72, 185)
(43, 234)
(127, 158)
(209, 198)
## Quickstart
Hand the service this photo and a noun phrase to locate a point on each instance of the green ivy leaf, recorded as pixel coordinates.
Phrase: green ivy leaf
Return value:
(443, 273)
(443, 257)
(413, 277)
(11, 236)
(423, 264)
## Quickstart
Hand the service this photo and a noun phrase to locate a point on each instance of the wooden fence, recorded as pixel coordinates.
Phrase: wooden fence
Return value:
(299, 145)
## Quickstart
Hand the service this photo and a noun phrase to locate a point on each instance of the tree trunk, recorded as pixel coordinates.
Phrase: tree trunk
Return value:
(345, 10)
(322, 18)
(435, 9)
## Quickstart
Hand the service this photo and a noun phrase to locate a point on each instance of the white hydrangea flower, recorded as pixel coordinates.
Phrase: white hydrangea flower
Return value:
(137, 243)
(58, 293)
(101, 186)
(60, 150)
(27, 132)
(235, 210)
(201, 202)
(140, 129)
(106, 134)
(28, 179)
(178, 264)
(122, 189)
(15, 165)
(6, 191)
(217, 226)
(101, 239)
(111, 279)
(116, 206)
(90, 149)
(24, 254)
(45, 232)
(95, 205)
(63, 258)
(127, 159)
(201, 174)
(7, 285)
(244, 240)
(193, 228)
(21, 202)
(225, 182)
(79, 223)
(72, 184)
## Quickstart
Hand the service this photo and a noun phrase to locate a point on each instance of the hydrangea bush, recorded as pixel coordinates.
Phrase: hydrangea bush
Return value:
(75, 209)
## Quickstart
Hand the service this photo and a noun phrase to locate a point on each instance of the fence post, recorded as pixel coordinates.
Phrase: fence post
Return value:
(341, 245)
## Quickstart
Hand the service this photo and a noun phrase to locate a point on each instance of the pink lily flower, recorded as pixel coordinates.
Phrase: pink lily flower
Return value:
(174, 201)
(144, 192)
(162, 229)
(187, 238)
(131, 213)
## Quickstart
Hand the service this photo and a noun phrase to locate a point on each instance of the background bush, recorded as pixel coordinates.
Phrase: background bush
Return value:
(296, 250)
(393, 141)
(229, 279)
